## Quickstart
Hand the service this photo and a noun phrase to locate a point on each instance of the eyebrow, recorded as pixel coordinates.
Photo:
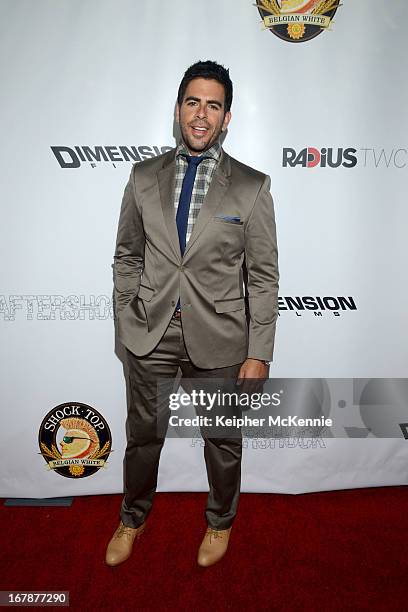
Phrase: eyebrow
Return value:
(217, 102)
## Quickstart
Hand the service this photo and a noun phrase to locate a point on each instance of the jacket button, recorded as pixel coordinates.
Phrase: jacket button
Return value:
(173, 303)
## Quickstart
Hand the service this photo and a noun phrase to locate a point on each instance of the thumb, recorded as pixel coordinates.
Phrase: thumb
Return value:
(241, 377)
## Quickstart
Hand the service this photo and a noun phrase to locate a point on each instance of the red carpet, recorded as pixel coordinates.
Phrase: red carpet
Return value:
(343, 550)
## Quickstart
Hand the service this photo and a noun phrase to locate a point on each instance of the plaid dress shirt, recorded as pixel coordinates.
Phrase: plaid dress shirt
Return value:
(205, 173)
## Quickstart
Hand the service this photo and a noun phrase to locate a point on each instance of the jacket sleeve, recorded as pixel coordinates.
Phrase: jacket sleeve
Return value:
(261, 257)
(128, 260)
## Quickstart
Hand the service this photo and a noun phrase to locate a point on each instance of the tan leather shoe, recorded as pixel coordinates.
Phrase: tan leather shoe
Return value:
(213, 547)
(121, 545)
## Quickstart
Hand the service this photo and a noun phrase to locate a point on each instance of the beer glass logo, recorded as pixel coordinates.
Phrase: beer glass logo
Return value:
(297, 20)
(75, 440)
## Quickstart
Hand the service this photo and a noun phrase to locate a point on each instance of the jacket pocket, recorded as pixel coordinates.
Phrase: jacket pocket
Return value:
(126, 282)
(229, 305)
(145, 293)
(230, 221)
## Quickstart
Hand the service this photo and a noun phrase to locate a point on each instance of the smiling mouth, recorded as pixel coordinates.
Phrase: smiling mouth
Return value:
(199, 130)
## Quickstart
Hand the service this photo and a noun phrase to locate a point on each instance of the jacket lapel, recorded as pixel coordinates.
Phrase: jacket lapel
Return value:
(166, 177)
(216, 192)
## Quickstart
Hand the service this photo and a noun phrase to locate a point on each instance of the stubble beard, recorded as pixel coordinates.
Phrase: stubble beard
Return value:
(199, 149)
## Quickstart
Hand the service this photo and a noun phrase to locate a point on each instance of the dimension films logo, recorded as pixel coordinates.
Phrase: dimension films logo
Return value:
(297, 20)
(317, 304)
(75, 440)
(74, 157)
(329, 157)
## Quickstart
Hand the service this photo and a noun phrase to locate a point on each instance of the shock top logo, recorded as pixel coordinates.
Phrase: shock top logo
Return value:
(83, 436)
(297, 20)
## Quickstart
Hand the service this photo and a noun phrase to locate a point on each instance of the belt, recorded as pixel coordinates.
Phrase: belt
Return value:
(176, 314)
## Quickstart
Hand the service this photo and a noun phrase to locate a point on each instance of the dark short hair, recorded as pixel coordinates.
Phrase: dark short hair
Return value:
(207, 70)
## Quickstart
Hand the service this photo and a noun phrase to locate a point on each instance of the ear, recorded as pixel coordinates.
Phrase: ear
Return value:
(226, 121)
(177, 113)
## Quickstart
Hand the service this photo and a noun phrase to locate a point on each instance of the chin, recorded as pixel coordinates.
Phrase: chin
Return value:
(197, 147)
(201, 147)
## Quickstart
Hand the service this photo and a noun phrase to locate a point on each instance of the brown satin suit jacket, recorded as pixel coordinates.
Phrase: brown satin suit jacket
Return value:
(235, 227)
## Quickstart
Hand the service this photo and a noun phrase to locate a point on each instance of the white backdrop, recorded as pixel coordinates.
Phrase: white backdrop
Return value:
(105, 73)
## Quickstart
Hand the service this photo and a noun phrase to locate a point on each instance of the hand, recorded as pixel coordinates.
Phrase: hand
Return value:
(252, 375)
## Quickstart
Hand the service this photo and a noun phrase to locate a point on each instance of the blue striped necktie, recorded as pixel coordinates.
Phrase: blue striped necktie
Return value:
(184, 203)
(185, 199)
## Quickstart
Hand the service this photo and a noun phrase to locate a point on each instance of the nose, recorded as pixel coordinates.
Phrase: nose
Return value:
(201, 112)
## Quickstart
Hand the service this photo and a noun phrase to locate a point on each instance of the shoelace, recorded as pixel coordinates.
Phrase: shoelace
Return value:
(214, 533)
(128, 531)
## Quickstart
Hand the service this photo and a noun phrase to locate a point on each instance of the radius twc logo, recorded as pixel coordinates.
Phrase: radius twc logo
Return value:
(82, 155)
(297, 21)
(345, 157)
(310, 157)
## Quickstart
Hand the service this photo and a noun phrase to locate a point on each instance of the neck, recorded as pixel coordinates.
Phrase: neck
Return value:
(197, 153)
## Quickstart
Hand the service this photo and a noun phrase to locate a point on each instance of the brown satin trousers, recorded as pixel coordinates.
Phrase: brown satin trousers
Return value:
(148, 414)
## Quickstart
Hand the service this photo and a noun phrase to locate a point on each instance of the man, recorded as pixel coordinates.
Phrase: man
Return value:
(191, 219)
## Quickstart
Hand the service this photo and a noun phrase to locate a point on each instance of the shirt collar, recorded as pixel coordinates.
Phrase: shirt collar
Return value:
(214, 152)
